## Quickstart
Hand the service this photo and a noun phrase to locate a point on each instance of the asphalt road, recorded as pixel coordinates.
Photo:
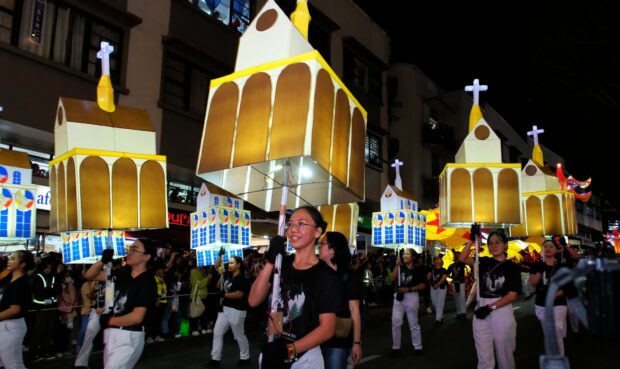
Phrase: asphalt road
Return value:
(448, 346)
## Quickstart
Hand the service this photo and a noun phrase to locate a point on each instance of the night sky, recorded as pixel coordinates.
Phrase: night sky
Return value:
(556, 66)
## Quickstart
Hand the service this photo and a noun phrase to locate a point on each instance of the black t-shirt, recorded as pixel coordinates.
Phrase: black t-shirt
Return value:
(238, 283)
(498, 281)
(411, 277)
(436, 275)
(351, 288)
(130, 293)
(565, 258)
(304, 295)
(16, 293)
(546, 272)
(457, 272)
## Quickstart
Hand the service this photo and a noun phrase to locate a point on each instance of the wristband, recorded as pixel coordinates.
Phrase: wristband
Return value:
(357, 343)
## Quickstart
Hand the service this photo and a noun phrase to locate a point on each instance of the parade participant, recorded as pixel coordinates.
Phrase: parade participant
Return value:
(135, 293)
(437, 278)
(15, 299)
(45, 290)
(541, 273)
(309, 296)
(233, 310)
(92, 327)
(494, 325)
(334, 251)
(409, 282)
(568, 257)
(456, 271)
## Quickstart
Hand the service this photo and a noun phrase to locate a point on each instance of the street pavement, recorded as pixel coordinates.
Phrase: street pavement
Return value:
(448, 346)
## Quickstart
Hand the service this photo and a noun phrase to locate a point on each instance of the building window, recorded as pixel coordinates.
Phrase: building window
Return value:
(372, 151)
(62, 33)
(186, 86)
(7, 8)
(17, 177)
(361, 75)
(237, 16)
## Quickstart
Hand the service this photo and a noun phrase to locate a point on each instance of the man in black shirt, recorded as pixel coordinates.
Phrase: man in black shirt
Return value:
(136, 292)
(456, 271)
(568, 257)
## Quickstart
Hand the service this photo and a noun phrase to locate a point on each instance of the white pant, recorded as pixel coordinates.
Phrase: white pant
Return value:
(499, 331)
(92, 329)
(459, 299)
(525, 284)
(312, 359)
(438, 298)
(409, 306)
(12, 332)
(234, 319)
(559, 316)
(122, 349)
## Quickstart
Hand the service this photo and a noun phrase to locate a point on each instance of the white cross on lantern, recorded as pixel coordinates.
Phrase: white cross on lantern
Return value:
(476, 88)
(534, 133)
(104, 55)
(398, 182)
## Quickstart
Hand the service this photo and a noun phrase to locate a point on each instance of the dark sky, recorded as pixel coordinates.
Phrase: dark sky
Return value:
(556, 66)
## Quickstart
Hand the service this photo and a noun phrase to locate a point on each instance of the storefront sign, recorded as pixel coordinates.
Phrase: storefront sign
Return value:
(38, 20)
(44, 197)
(178, 218)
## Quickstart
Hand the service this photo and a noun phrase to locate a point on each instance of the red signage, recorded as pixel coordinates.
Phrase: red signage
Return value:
(178, 218)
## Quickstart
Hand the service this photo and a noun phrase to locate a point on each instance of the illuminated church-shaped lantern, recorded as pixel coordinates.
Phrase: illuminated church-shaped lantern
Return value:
(220, 222)
(479, 187)
(283, 103)
(17, 197)
(342, 218)
(398, 224)
(548, 208)
(106, 173)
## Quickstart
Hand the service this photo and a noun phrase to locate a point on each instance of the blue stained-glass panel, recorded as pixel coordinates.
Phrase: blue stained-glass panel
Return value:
(100, 243)
(234, 234)
(120, 246)
(22, 223)
(377, 233)
(75, 249)
(4, 223)
(417, 235)
(85, 247)
(402, 204)
(66, 252)
(203, 236)
(212, 234)
(17, 178)
(237, 204)
(194, 240)
(216, 201)
(410, 233)
(245, 237)
(389, 235)
(224, 233)
(400, 234)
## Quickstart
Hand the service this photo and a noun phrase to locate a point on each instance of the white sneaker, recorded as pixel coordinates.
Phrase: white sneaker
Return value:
(207, 331)
(178, 335)
(159, 339)
(195, 333)
(429, 310)
(149, 340)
